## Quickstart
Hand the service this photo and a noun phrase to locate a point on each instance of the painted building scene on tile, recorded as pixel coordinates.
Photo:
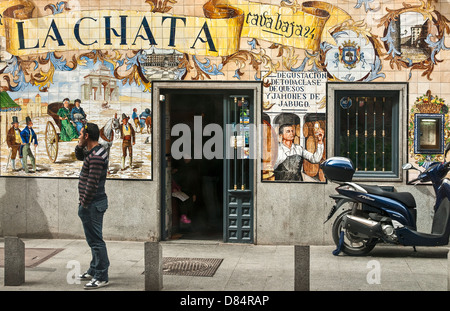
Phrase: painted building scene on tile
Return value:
(106, 55)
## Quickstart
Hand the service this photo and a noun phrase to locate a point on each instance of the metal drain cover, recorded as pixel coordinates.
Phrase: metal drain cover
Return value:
(191, 266)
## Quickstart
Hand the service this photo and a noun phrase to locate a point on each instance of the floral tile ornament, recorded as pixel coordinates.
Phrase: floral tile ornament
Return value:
(431, 105)
(413, 37)
(354, 56)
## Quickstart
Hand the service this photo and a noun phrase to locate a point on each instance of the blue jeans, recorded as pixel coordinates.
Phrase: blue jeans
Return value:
(92, 219)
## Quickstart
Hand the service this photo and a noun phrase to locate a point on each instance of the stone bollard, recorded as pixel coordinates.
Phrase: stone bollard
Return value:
(14, 261)
(153, 266)
(302, 267)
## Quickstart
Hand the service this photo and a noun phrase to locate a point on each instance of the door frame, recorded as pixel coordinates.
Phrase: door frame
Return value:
(158, 154)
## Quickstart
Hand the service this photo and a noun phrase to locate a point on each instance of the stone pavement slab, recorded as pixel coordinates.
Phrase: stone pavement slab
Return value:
(257, 268)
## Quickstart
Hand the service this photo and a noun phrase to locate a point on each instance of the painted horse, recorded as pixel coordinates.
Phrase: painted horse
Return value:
(107, 132)
(148, 123)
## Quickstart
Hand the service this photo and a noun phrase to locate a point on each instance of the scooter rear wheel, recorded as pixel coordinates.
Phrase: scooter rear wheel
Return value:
(352, 245)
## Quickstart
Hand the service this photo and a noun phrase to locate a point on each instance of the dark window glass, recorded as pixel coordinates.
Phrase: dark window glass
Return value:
(367, 128)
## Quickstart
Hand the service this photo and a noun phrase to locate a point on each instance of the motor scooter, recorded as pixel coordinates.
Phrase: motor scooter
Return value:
(373, 215)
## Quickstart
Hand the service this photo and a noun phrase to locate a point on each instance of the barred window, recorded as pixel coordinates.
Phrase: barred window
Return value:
(367, 131)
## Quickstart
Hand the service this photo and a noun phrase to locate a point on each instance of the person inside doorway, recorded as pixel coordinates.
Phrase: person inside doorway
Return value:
(185, 176)
(211, 171)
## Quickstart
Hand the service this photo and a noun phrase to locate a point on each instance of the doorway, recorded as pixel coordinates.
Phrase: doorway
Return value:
(204, 197)
(200, 215)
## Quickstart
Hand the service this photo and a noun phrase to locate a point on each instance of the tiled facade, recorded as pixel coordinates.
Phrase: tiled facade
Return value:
(108, 53)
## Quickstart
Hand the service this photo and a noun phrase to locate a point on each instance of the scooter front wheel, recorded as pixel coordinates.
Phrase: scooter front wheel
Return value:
(352, 245)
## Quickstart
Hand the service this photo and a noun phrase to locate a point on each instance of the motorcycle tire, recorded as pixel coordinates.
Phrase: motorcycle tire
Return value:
(352, 245)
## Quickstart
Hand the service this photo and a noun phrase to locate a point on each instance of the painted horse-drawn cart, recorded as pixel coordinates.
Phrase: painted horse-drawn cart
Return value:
(53, 130)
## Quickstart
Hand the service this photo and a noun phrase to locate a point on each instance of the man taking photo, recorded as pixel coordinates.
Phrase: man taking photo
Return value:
(93, 202)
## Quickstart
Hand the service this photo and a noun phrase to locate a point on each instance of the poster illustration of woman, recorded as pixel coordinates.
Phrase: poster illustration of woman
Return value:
(68, 131)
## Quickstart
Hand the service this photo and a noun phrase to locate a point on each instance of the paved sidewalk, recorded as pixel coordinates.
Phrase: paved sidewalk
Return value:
(244, 268)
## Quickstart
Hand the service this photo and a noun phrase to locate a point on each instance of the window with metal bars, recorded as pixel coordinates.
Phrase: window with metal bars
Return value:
(367, 131)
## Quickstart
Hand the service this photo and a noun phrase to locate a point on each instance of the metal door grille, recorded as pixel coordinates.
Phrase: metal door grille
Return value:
(239, 193)
(365, 131)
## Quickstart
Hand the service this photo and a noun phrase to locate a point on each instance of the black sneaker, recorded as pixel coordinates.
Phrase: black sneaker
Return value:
(94, 284)
(85, 277)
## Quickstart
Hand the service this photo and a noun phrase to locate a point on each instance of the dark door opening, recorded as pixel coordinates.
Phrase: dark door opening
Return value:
(207, 193)
(201, 215)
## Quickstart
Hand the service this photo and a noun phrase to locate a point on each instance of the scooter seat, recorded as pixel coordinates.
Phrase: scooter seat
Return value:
(403, 197)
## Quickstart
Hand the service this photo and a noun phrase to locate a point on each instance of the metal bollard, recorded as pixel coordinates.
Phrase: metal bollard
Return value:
(14, 261)
(153, 266)
(302, 267)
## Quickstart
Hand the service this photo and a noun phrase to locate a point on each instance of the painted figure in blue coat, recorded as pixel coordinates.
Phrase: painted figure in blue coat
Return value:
(28, 138)
(135, 118)
(143, 117)
(77, 115)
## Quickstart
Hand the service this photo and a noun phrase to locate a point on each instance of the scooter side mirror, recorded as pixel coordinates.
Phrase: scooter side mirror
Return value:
(407, 166)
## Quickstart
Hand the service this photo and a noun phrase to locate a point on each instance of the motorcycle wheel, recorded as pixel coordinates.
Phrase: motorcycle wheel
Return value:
(353, 245)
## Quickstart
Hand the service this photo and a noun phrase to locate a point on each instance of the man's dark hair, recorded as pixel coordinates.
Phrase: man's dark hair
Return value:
(77, 101)
(66, 99)
(281, 129)
(92, 130)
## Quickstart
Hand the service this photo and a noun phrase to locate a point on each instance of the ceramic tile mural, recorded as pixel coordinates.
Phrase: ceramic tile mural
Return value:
(107, 53)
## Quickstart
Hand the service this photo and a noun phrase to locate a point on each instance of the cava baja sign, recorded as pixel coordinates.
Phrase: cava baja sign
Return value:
(121, 30)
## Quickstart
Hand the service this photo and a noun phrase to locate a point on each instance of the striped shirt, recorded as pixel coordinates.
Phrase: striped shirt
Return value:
(91, 185)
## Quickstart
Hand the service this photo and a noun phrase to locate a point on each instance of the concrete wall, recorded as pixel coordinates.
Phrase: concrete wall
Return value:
(298, 211)
(47, 208)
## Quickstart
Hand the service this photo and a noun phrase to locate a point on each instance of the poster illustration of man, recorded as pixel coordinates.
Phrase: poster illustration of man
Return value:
(29, 138)
(14, 142)
(77, 115)
(289, 162)
(294, 115)
(128, 136)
